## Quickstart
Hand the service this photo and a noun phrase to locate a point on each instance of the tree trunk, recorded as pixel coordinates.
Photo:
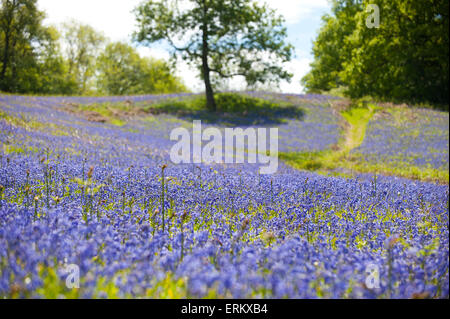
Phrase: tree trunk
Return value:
(210, 101)
(9, 9)
(5, 59)
(5, 63)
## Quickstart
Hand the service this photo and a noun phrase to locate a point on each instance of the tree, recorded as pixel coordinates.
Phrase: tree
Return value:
(52, 68)
(405, 59)
(223, 38)
(20, 27)
(83, 45)
(331, 47)
(121, 71)
(30, 58)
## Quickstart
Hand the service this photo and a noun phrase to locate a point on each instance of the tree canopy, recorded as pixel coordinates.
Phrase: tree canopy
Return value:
(75, 60)
(404, 59)
(28, 50)
(122, 71)
(222, 38)
(83, 44)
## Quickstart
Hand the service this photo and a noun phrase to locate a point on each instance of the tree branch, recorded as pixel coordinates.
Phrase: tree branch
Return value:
(186, 48)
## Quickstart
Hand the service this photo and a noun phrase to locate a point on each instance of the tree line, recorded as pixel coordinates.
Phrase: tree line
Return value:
(404, 59)
(74, 59)
(223, 39)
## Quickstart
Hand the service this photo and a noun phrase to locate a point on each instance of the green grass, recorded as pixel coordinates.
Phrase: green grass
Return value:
(328, 163)
(401, 169)
(15, 149)
(357, 119)
(226, 103)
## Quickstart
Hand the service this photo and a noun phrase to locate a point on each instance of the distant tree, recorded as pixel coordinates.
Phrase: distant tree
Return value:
(83, 44)
(30, 55)
(122, 71)
(20, 28)
(52, 67)
(224, 38)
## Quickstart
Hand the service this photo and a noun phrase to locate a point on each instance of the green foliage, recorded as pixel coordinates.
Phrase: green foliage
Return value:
(121, 71)
(331, 48)
(30, 61)
(404, 60)
(238, 103)
(83, 45)
(223, 39)
(52, 76)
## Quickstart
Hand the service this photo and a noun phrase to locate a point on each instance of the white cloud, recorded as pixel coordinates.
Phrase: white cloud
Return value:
(190, 77)
(294, 10)
(113, 17)
(157, 53)
(299, 68)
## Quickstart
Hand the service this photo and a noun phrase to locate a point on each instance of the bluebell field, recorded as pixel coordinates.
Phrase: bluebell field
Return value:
(92, 194)
(421, 138)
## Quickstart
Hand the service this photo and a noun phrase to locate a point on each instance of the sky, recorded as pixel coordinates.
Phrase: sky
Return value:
(115, 19)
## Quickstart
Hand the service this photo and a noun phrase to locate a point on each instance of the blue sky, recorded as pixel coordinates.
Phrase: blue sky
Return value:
(115, 20)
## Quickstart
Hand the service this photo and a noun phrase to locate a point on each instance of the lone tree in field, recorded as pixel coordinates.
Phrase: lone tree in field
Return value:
(226, 38)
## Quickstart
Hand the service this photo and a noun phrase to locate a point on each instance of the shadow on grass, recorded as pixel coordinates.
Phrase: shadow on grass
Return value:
(232, 110)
